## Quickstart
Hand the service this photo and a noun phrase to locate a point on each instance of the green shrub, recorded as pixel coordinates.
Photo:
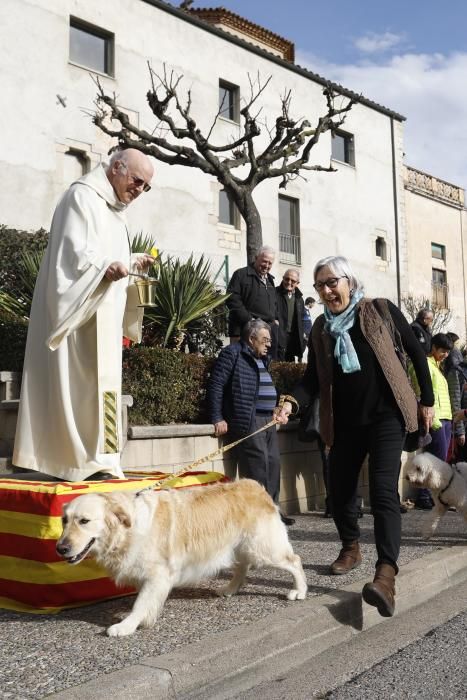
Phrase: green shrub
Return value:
(170, 387)
(167, 386)
(12, 345)
(286, 375)
(13, 244)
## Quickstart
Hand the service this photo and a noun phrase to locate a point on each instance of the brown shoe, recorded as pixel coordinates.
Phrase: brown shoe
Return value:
(382, 592)
(349, 558)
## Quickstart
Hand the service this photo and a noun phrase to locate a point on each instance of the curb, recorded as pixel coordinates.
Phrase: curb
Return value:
(305, 629)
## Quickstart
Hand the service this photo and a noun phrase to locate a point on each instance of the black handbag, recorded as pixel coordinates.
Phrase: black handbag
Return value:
(308, 428)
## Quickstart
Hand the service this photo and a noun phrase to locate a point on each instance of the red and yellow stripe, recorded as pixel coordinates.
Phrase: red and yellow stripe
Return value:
(33, 578)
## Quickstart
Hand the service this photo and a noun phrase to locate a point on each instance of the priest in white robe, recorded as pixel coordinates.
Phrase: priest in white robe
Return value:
(69, 421)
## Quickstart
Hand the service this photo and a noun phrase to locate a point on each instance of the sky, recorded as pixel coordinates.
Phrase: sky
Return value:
(408, 55)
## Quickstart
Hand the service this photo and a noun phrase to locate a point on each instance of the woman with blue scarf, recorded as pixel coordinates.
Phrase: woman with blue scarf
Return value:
(367, 406)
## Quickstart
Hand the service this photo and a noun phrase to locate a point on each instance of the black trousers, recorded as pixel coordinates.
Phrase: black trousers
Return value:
(382, 440)
(259, 458)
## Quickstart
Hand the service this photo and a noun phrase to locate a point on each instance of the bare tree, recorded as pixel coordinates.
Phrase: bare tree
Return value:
(238, 165)
(441, 316)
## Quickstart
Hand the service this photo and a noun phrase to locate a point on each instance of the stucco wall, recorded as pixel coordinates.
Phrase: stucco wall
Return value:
(340, 213)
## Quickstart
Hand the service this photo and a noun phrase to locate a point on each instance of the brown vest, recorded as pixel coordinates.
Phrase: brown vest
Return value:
(379, 339)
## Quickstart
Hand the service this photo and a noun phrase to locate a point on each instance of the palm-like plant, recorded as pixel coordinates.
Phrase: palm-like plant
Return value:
(17, 307)
(184, 293)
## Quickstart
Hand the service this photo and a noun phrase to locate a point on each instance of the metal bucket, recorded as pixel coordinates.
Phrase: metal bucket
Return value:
(146, 291)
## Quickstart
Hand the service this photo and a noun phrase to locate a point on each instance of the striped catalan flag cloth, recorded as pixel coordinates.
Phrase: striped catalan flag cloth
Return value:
(33, 578)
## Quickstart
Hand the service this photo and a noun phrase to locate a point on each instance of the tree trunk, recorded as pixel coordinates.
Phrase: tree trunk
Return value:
(250, 214)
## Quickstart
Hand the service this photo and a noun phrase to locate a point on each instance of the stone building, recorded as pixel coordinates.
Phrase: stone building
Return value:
(436, 221)
(51, 52)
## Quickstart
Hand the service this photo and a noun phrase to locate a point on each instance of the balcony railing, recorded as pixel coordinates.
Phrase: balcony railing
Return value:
(439, 295)
(289, 248)
(423, 183)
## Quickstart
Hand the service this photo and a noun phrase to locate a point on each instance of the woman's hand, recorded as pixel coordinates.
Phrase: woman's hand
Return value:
(426, 415)
(281, 413)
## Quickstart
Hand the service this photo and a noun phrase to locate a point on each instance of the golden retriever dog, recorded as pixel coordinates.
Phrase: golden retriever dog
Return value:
(447, 483)
(156, 540)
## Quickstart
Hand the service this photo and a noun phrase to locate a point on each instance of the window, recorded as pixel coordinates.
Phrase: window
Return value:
(228, 212)
(342, 147)
(439, 288)
(381, 248)
(289, 230)
(91, 47)
(229, 101)
(438, 251)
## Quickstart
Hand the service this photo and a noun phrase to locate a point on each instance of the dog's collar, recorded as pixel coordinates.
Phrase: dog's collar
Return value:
(454, 470)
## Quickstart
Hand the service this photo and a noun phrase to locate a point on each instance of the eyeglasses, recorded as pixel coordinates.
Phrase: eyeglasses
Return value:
(331, 282)
(289, 279)
(137, 181)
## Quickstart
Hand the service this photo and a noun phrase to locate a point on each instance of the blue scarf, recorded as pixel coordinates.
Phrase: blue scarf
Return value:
(337, 326)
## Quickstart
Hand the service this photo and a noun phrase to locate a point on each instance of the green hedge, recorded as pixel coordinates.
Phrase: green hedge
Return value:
(170, 387)
(12, 345)
(167, 386)
(13, 244)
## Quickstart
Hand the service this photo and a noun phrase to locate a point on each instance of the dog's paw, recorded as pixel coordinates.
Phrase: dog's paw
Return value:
(294, 594)
(122, 629)
(226, 591)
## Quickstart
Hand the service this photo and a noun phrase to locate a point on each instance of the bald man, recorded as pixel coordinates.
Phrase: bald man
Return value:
(69, 421)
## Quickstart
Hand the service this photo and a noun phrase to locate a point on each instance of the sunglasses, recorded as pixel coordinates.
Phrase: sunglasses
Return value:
(137, 181)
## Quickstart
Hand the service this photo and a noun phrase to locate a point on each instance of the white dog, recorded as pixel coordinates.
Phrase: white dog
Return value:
(155, 540)
(447, 483)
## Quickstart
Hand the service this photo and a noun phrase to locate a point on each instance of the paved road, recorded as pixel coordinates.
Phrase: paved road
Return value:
(422, 654)
(433, 667)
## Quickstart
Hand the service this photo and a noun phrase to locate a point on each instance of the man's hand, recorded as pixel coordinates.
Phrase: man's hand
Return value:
(458, 416)
(426, 415)
(144, 261)
(220, 428)
(281, 414)
(460, 439)
(116, 271)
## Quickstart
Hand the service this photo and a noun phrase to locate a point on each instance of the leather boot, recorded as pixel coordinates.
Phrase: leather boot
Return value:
(349, 558)
(381, 593)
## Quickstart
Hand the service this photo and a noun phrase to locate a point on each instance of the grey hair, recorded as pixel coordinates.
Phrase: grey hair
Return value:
(266, 249)
(118, 155)
(340, 266)
(292, 269)
(252, 328)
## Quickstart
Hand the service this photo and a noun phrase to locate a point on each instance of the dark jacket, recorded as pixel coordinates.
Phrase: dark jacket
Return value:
(319, 375)
(250, 298)
(297, 336)
(233, 387)
(423, 336)
(457, 380)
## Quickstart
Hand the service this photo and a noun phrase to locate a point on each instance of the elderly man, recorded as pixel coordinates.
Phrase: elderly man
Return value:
(241, 399)
(422, 329)
(290, 312)
(69, 415)
(253, 295)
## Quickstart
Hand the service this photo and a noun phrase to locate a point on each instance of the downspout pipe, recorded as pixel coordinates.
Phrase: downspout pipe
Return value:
(396, 214)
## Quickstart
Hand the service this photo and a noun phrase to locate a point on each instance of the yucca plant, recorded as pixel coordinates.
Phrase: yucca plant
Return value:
(184, 293)
(17, 307)
(142, 243)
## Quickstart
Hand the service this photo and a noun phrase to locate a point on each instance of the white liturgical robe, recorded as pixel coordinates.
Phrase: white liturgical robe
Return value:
(69, 421)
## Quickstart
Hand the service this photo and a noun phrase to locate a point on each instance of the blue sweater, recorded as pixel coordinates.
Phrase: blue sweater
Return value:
(233, 388)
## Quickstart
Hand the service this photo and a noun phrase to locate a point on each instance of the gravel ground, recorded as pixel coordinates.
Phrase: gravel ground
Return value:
(43, 654)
